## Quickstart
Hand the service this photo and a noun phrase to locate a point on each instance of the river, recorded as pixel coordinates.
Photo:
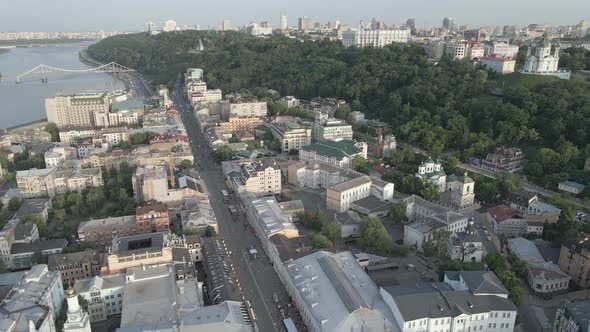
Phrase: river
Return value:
(25, 102)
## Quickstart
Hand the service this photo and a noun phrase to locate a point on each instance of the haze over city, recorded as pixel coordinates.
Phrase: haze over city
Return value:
(131, 15)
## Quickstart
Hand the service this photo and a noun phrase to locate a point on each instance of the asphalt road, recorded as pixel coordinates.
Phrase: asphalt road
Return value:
(257, 279)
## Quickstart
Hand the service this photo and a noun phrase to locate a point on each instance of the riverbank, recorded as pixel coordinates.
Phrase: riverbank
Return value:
(42, 42)
(31, 124)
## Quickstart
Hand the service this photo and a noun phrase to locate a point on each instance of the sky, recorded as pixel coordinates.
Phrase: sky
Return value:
(132, 15)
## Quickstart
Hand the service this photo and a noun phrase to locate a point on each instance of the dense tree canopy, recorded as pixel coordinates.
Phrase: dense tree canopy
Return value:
(442, 106)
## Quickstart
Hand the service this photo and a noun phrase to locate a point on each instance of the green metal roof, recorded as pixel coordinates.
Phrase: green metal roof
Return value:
(339, 150)
(127, 105)
(572, 184)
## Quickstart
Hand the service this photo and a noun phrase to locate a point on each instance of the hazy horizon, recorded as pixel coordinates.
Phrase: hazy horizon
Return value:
(132, 15)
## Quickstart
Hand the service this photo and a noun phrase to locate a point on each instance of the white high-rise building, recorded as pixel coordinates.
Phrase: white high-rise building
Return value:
(375, 38)
(78, 320)
(76, 110)
(226, 25)
(169, 25)
(283, 24)
(304, 23)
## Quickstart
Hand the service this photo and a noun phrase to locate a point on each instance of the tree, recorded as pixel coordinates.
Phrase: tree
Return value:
(398, 212)
(186, 164)
(497, 263)
(486, 191)
(430, 192)
(507, 182)
(234, 139)
(210, 231)
(223, 153)
(360, 165)
(268, 137)
(53, 130)
(516, 295)
(95, 198)
(342, 113)
(374, 237)
(59, 215)
(320, 241)
(14, 204)
(331, 231)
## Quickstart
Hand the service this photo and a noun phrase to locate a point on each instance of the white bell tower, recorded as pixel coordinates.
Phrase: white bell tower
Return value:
(78, 320)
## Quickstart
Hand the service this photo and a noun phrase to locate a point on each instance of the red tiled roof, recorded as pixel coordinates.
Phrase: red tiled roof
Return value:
(502, 212)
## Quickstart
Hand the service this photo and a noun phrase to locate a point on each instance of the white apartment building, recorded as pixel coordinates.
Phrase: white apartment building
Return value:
(104, 295)
(375, 38)
(76, 110)
(34, 302)
(317, 175)
(249, 110)
(114, 136)
(326, 128)
(48, 182)
(502, 49)
(498, 64)
(257, 178)
(431, 309)
(208, 96)
(70, 135)
(335, 153)
(340, 196)
(291, 135)
(465, 50)
(382, 190)
(53, 158)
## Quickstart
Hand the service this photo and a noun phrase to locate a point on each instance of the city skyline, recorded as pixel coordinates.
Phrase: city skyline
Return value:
(128, 16)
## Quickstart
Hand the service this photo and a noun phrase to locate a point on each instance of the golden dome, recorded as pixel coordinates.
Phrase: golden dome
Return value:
(71, 292)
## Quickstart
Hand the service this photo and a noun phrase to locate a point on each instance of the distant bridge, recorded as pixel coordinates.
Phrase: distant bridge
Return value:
(44, 70)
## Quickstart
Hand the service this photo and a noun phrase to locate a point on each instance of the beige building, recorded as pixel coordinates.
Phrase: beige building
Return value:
(139, 250)
(257, 178)
(340, 196)
(291, 135)
(498, 64)
(150, 182)
(76, 110)
(36, 182)
(574, 259)
(267, 218)
(235, 124)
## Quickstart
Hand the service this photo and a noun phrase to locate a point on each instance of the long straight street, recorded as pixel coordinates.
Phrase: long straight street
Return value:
(257, 278)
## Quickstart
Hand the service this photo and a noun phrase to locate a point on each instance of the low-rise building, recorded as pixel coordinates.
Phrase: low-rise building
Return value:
(333, 293)
(543, 277)
(571, 187)
(49, 181)
(340, 196)
(152, 217)
(75, 266)
(350, 224)
(338, 154)
(104, 295)
(382, 190)
(572, 317)
(375, 38)
(504, 159)
(291, 135)
(138, 250)
(247, 110)
(235, 124)
(371, 207)
(267, 218)
(37, 207)
(70, 135)
(574, 259)
(465, 246)
(438, 306)
(101, 232)
(150, 182)
(498, 64)
(326, 128)
(33, 303)
(22, 253)
(258, 178)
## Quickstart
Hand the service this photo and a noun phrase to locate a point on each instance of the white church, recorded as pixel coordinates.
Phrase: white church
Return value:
(461, 187)
(543, 61)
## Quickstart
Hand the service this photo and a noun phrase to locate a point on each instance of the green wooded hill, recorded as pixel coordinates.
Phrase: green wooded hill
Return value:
(439, 107)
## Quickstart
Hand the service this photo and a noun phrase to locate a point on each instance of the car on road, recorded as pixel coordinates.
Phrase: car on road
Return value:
(477, 226)
(483, 226)
(489, 238)
(486, 232)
